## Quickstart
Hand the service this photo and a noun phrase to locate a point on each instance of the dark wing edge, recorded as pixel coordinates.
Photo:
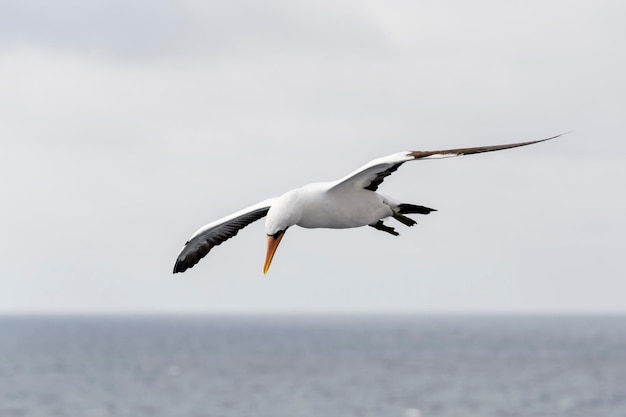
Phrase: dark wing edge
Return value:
(380, 177)
(478, 149)
(372, 174)
(213, 234)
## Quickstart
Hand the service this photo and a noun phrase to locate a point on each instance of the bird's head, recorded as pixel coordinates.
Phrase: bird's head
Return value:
(283, 214)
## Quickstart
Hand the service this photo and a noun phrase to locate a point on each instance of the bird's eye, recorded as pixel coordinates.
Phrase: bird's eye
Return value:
(277, 234)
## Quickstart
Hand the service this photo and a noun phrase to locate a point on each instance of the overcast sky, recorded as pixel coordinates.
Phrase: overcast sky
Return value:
(127, 125)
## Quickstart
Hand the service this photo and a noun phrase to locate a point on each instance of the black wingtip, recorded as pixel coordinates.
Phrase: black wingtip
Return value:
(556, 136)
(180, 266)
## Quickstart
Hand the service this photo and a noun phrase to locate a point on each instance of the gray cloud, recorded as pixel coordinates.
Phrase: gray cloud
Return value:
(128, 29)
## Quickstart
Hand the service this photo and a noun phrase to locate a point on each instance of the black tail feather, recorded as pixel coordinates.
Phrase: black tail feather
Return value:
(407, 221)
(412, 208)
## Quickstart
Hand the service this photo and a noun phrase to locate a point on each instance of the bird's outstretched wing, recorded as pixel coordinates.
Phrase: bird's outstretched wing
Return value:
(372, 174)
(213, 234)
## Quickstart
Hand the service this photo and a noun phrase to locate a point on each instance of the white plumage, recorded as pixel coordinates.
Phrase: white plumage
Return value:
(349, 202)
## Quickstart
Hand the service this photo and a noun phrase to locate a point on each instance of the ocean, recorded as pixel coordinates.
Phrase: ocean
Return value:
(313, 366)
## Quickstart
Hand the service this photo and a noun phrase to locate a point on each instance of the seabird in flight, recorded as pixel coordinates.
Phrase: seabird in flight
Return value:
(352, 201)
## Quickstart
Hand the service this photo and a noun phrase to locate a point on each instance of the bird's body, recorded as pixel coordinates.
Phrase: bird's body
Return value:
(352, 201)
(317, 206)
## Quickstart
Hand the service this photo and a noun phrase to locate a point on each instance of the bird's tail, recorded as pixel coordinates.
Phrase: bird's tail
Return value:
(399, 212)
(402, 209)
(412, 208)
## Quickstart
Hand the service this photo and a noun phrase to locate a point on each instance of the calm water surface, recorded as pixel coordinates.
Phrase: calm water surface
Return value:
(423, 366)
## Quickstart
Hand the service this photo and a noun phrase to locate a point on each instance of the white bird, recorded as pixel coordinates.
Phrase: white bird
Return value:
(351, 201)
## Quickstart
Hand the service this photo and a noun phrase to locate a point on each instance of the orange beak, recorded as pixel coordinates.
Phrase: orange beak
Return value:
(272, 244)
